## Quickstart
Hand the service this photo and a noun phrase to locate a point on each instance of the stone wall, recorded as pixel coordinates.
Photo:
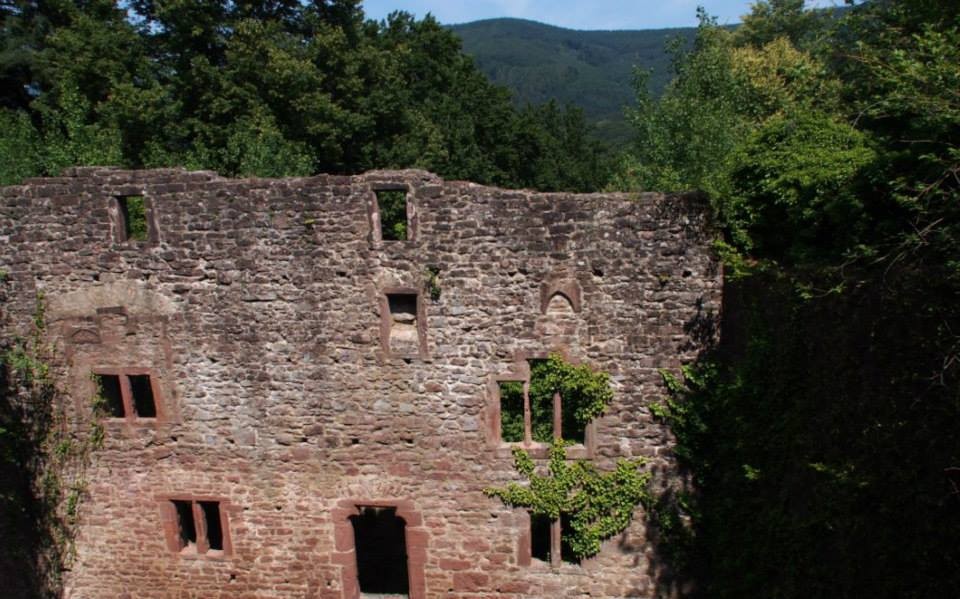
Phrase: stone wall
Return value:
(259, 309)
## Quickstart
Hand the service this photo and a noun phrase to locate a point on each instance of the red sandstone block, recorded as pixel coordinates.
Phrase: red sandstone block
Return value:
(470, 581)
(454, 564)
(514, 586)
(476, 545)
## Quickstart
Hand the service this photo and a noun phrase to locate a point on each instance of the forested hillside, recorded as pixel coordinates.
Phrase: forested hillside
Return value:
(589, 69)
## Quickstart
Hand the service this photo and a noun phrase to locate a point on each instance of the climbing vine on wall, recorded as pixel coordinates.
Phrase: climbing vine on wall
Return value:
(47, 455)
(598, 504)
(585, 395)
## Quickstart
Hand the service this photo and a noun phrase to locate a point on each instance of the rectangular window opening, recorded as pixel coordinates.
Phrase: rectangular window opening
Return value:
(112, 395)
(211, 517)
(186, 526)
(392, 205)
(381, 550)
(540, 537)
(511, 411)
(133, 213)
(404, 331)
(142, 390)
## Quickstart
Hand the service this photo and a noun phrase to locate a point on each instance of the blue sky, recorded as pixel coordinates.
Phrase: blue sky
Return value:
(575, 14)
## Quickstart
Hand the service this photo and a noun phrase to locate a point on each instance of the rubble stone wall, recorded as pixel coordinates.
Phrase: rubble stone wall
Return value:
(259, 309)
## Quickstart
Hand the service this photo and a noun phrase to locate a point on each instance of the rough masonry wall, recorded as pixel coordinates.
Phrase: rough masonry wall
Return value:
(258, 307)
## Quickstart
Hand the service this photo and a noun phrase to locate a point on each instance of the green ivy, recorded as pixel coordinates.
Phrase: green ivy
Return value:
(598, 504)
(585, 395)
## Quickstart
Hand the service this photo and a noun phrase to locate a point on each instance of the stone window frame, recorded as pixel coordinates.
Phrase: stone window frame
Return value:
(525, 545)
(345, 550)
(126, 394)
(118, 222)
(170, 525)
(386, 322)
(373, 214)
(519, 371)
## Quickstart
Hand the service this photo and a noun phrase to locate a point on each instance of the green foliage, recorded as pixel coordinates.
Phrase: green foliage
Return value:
(599, 505)
(136, 217)
(393, 214)
(19, 142)
(286, 89)
(585, 395)
(432, 275)
(511, 412)
(794, 187)
(43, 464)
(818, 433)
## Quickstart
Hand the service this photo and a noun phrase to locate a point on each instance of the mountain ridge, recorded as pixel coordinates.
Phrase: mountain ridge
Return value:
(592, 69)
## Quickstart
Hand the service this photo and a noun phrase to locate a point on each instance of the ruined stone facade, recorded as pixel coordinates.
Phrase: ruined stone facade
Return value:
(304, 371)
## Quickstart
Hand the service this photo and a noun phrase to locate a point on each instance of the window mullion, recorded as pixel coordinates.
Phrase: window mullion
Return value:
(555, 543)
(527, 414)
(200, 522)
(126, 394)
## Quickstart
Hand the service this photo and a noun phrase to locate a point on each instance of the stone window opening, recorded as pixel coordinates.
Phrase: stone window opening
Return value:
(381, 550)
(528, 414)
(132, 219)
(549, 541)
(196, 526)
(393, 212)
(131, 394)
(402, 326)
(349, 544)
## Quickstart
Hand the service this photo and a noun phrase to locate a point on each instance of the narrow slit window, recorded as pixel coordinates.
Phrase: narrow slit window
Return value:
(133, 214)
(392, 206)
(511, 411)
(404, 335)
(540, 537)
(110, 391)
(142, 390)
(211, 517)
(381, 550)
(186, 526)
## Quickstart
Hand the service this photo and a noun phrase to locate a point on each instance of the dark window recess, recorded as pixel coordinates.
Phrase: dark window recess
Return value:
(186, 525)
(392, 205)
(566, 552)
(142, 390)
(381, 550)
(540, 537)
(511, 411)
(109, 389)
(211, 517)
(133, 212)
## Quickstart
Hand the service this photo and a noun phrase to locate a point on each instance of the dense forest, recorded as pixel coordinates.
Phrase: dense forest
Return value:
(819, 437)
(270, 89)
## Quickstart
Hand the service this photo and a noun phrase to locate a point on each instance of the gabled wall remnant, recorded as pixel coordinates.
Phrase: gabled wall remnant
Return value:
(306, 373)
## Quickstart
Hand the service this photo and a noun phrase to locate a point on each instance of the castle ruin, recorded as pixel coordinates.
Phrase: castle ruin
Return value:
(299, 406)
